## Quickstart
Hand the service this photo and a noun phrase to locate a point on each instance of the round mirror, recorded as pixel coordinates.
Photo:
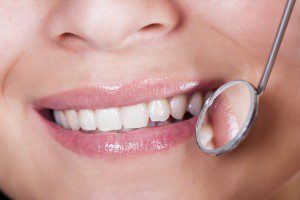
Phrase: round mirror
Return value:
(226, 117)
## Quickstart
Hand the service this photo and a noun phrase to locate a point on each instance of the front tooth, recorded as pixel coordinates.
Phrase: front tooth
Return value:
(64, 120)
(159, 110)
(178, 106)
(136, 116)
(87, 120)
(206, 135)
(195, 103)
(73, 119)
(108, 119)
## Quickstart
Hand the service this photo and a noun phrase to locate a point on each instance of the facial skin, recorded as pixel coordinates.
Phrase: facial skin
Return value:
(51, 46)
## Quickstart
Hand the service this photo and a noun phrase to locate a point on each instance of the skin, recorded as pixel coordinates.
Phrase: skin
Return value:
(108, 40)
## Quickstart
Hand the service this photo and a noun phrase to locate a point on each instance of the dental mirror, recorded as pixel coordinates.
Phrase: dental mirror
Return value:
(225, 117)
(228, 114)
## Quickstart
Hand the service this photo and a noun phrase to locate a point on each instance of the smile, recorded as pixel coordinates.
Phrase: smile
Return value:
(156, 117)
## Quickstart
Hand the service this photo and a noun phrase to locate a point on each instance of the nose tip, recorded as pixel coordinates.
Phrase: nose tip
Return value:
(108, 24)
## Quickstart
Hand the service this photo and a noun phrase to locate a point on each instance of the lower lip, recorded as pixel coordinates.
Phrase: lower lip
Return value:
(141, 141)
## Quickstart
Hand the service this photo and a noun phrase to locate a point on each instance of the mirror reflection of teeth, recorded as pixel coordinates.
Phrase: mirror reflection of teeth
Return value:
(207, 136)
(123, 119)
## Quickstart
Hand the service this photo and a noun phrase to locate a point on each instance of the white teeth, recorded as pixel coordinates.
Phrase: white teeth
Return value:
(209, 146)
(195, 103)
(73, 119)
(63, 119)
(135, 116)
(159, 110)
(206, 135)
(132, 117)
(87, 120)
(57, 118)
(108, 119)
(178, 106)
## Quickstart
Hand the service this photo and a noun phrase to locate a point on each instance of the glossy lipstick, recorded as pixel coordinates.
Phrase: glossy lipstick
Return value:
(140, 141)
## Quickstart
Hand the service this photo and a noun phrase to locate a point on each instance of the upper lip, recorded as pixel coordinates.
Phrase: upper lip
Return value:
(97, 97)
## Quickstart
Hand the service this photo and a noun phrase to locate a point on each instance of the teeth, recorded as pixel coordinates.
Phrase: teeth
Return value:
(108, 119)
(178, 106)
(57, 117)
(132, 117)
(87, 120)
(195, 103)
(61, 117)
(159, 110)
(73, 119)
(64, 120)
(209, 146)
(206, 135)
(135, 116)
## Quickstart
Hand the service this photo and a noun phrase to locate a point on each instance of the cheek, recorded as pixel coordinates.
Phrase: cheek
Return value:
(20, 24)
(250, 24)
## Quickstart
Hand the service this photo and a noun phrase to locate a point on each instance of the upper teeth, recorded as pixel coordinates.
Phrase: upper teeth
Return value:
(136, 116)
(159, 110)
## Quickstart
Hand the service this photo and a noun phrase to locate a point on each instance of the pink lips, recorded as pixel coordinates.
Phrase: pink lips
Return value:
(121, 95)
(141, 141)
(144, 140)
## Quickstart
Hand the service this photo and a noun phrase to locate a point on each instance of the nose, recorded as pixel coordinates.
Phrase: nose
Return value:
(109, 23)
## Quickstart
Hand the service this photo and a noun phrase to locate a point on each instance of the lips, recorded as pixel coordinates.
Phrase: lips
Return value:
(224, 121)
(153, 136)
(97, 97)
(111, 144)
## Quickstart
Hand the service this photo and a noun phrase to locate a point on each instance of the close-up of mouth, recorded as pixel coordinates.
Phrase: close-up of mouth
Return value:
(149, 99)
(157, 117)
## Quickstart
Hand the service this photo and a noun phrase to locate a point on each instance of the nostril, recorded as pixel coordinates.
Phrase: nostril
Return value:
(152, 27)
(68, 35)
(71, 41)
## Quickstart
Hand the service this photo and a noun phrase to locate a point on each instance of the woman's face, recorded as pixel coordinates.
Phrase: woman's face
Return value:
(98, 57)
